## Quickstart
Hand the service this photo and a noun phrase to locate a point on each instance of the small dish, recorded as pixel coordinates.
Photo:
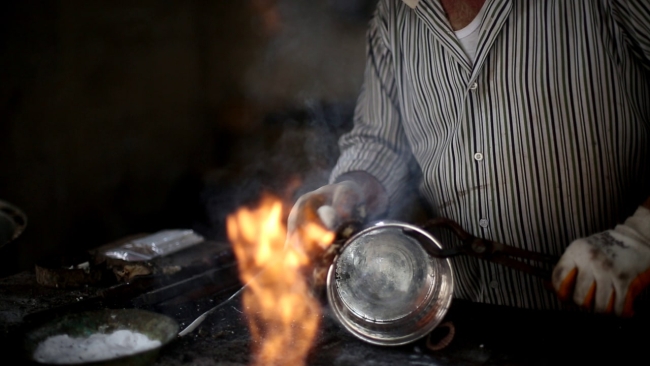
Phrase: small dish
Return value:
(155, 326)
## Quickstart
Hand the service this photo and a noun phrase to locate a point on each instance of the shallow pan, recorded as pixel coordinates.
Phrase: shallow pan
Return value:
(153, 325)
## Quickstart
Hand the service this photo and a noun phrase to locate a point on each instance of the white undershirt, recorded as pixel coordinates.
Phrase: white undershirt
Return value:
(468, 36)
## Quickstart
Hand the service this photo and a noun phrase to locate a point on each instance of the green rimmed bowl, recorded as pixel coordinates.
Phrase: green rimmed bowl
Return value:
(153, 325)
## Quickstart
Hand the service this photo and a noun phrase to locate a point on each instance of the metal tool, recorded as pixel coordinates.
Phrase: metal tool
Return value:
(392, 282)
(489, 250)
(196, 322)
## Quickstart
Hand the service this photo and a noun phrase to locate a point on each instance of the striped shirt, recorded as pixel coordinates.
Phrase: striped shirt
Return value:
(545, 138)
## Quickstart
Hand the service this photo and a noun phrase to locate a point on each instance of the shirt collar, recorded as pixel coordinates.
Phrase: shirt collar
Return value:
(411, 3)
(433, 16)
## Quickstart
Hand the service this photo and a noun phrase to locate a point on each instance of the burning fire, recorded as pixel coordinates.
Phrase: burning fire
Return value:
(283, 315)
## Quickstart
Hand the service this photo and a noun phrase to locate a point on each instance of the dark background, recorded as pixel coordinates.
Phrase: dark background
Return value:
(121, 117)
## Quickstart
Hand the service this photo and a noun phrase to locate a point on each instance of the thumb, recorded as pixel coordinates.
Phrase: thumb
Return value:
(328, 217)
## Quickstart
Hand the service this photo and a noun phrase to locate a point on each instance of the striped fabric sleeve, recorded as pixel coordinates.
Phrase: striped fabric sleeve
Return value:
(377, 143)
(633, 16)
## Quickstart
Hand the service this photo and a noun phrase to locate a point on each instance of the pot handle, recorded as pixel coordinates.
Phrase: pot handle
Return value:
(17, 219)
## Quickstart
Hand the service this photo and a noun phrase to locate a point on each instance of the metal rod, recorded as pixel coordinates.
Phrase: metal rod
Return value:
(193, 325)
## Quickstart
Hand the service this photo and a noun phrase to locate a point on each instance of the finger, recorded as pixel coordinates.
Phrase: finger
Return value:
(588, 302)
(328, 216)
(585, 288)
(611, 303)
(319, 197)
(306, 210)
(564, 281)
(636, 287)
(564, 276)
(604, 288)
(604, 293)
(345, 200)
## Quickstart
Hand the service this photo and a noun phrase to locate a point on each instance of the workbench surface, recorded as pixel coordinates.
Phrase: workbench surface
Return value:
(484, 335)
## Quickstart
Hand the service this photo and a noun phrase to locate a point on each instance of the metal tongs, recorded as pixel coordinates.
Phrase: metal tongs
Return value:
(486, 249)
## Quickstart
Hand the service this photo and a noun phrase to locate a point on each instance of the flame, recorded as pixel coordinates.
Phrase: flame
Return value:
(283, 316)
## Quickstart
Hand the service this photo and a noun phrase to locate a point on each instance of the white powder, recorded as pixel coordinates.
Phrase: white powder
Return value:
(62, 348)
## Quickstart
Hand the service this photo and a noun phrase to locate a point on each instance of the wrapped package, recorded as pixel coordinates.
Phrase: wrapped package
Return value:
(155, 245)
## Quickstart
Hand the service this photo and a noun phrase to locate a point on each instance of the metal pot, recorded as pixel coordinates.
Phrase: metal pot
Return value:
(12, 223)
(385, 288)
(392, 282)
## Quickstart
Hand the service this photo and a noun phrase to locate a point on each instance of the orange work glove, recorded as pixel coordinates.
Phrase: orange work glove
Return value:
(605, 272)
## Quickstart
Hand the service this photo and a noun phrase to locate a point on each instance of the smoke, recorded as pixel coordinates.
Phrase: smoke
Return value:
(308, 76)
(318, 54)
(295, 154)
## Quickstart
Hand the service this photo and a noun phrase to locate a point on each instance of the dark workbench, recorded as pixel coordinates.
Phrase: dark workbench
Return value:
(485, 335)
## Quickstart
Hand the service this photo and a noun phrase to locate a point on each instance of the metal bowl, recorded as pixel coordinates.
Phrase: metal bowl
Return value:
(385, 289)
(12, 223)
(153, 325)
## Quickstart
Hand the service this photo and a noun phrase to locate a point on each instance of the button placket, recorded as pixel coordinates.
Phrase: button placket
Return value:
(479, 156)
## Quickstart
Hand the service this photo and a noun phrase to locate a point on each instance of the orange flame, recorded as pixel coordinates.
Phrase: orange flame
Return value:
(283, 316)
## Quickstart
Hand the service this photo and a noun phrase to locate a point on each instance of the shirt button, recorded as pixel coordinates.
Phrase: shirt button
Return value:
(483, 222)
(494, 284)
(474, 86)
(478, 156)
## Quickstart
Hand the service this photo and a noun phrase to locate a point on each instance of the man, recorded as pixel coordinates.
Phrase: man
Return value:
(529, 123)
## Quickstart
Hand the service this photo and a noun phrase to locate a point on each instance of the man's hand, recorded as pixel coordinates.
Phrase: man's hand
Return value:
(357, 196)
(605, 272)
(331, 205)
